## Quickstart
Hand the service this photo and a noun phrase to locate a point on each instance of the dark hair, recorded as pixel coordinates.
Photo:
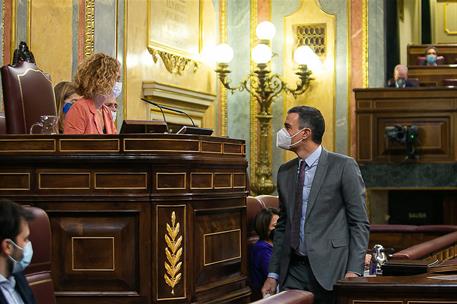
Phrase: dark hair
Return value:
(11, 215)
(312, 118)
(430, 47)
(262, 222)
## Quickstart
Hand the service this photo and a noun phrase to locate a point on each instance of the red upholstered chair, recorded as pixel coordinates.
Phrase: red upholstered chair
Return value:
(38, 273)
(253, 206)
(289, 297)
(269, 201)
(28, 94)
(2, 123)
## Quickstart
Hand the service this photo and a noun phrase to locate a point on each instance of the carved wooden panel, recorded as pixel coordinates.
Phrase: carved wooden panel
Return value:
(27, 145)
(364, 137)
(211, 147)
(89, 145)
(14, 181)
(432, 111)
(63, 180)
(217, 243)
(239, 180)
(121, 180)
(201, 180)
(91, 248)
(170, 181)
(433, 137)
(235, 149)
(165, 145)
(228, 244)
(222, 181)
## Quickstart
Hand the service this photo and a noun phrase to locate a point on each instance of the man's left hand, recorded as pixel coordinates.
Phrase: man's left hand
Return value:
(351, 274)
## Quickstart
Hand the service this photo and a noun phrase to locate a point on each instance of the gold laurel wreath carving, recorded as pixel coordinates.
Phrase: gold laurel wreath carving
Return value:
(173, 254)
(174, 64)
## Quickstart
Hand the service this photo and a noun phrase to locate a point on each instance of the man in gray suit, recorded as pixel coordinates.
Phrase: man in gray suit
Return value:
(322, 232)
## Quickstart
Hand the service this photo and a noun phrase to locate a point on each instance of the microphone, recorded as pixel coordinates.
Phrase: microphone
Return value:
(161, 107)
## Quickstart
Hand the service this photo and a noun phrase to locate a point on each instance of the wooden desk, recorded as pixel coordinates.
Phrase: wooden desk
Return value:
(397, 290)
(137, 218)
(432, 75)
(432, 110)
(449, 51)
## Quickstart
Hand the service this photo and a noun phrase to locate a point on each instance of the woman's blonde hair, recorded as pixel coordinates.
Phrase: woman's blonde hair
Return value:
(96, 75)
(62, 91)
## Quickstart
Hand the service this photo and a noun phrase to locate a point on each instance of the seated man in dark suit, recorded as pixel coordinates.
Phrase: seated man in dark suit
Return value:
(400, 79)
(15, 253)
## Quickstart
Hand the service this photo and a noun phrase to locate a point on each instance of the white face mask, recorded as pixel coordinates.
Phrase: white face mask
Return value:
(27, 254)
(114, 115)
(117, 89)
(284, 140)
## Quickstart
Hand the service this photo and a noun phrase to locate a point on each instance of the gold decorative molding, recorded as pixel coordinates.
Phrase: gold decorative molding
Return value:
(222, 90)
(313, 35)
(445, 21)
(173, 252)
(89, 27)
(365, 43)
(253, 136)
(175, 64)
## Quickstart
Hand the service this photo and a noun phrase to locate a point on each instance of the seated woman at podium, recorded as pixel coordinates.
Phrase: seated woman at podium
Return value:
(260, 252)
(66, 96)
(97, 82)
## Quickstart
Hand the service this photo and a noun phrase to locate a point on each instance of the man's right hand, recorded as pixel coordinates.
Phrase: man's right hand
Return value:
(269, 287)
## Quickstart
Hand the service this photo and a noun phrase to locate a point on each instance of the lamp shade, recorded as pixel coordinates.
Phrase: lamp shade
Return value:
(265, 30)
(305, 55)
(223, 53)
(261, 53)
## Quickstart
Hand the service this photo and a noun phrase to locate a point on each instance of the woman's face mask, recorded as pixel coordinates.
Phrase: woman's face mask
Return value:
(284, 140)
(117, 89)
(27, 254)
(431, 59)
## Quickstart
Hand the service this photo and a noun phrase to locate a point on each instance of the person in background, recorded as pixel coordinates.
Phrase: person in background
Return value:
(112, 105)
(431, 57)
(65, 93)
(15, 253)
(96, 82)
(260, 252)
(400, 79)
(322, 231)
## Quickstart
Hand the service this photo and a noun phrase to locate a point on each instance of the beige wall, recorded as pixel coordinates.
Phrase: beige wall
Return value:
(140, 67)
(444, 21)
(50, 37)
(409, 25)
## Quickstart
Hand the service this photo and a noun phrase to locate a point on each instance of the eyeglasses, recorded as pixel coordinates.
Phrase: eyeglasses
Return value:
(111, 105)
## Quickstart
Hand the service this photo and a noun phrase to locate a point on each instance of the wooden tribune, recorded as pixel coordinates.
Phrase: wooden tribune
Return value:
(432, 110)
(136, 218)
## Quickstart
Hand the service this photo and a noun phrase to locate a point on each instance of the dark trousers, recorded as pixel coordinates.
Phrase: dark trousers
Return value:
(300, 276)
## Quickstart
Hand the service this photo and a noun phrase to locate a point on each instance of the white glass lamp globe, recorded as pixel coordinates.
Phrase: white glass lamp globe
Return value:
(265, 30)
(303, 54)
(223, 53)
(261, 53)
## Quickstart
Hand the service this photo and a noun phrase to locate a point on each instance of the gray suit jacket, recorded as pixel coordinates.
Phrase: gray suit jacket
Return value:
(336, 224)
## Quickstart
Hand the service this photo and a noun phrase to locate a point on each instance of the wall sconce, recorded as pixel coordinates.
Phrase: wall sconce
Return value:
(264, 86)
